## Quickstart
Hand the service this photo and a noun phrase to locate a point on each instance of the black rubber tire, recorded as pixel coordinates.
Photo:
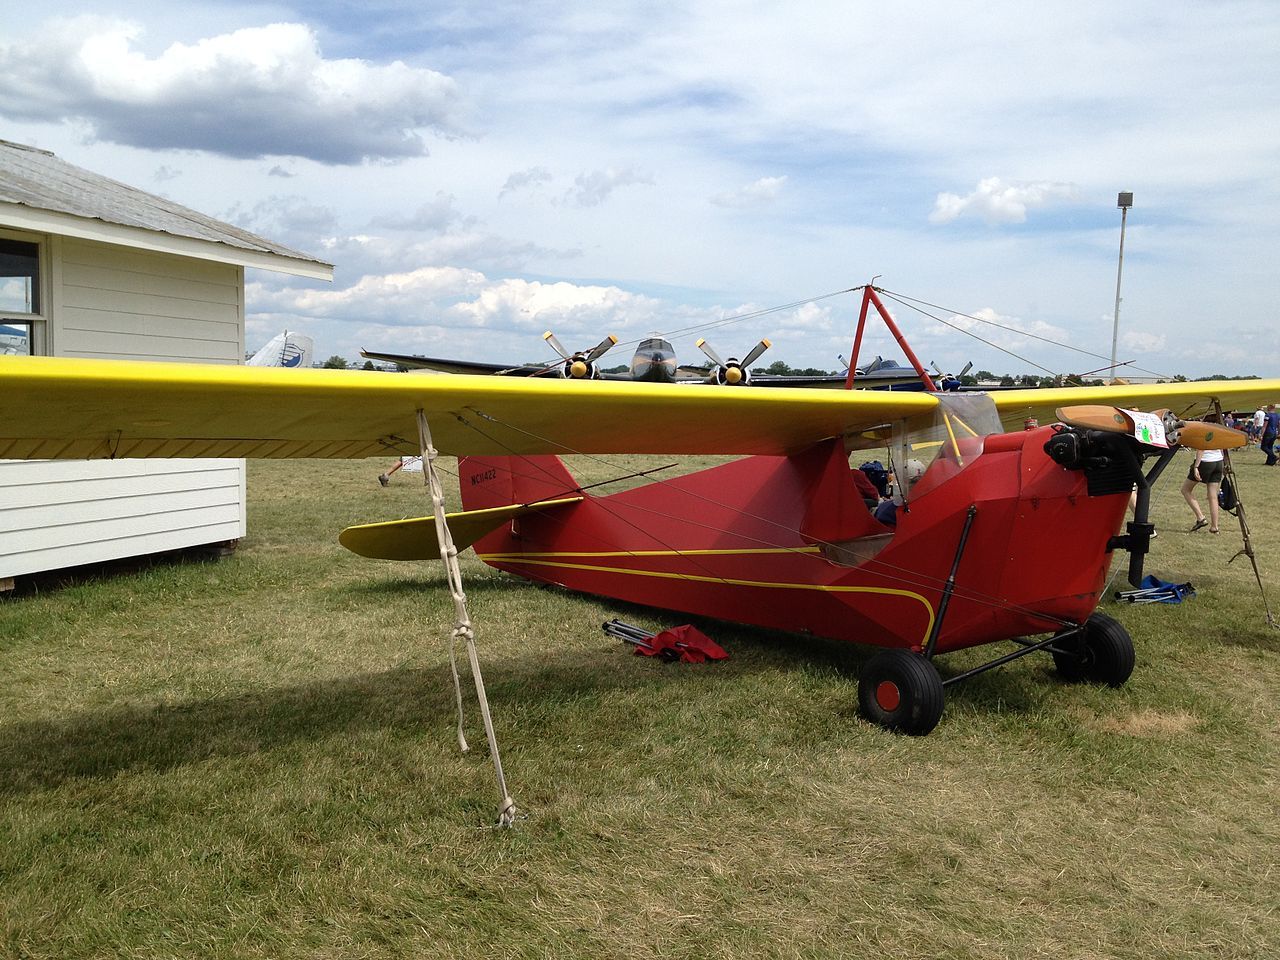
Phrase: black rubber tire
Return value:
(1101, 653)
(901, 691)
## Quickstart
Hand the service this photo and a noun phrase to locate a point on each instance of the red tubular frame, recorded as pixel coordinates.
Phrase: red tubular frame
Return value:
(869, 297)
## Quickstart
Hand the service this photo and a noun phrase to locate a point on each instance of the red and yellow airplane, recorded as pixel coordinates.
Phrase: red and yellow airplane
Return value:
(999, 535)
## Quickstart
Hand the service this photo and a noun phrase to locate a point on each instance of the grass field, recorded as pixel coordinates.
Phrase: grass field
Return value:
(255, 758)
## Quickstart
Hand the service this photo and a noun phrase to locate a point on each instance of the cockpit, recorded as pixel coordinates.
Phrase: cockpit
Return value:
(919, 455)
(922, 456)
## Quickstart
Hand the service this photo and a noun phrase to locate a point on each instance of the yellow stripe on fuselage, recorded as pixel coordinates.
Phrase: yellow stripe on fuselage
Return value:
(656, 553)
(522, 559)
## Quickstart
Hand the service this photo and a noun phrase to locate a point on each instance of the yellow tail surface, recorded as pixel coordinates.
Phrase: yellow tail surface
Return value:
(415, 538)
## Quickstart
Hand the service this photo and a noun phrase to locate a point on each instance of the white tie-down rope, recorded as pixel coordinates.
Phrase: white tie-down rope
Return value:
(462, 630)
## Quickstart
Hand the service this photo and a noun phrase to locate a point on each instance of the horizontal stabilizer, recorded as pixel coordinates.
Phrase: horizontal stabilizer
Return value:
(415, 538)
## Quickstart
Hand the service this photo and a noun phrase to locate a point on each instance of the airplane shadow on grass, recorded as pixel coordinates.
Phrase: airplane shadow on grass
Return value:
(101, 744)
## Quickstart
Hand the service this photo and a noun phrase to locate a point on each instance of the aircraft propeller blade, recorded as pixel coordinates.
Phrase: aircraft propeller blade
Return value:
(1193, 434)
(754, 355)
(1094, 416)
(1198, 435)
(556, 345)
(711, 354)
(601, 348)
(942, 376)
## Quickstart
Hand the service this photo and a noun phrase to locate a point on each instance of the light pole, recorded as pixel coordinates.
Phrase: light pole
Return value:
(1124, 202)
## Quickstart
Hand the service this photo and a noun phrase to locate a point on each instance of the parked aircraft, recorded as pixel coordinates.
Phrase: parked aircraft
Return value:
(654, 361)
(997, 536)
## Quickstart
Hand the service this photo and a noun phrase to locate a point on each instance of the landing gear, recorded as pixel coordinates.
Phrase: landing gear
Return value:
(901, 691)
(1099, 651)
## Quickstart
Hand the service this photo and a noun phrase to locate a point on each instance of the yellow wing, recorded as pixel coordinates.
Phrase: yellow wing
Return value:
(1189, 400)
(64, 408)
(53, 408)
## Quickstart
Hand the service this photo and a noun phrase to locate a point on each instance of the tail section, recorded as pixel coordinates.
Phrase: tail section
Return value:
(285, 350)
(415, 539)
(488, 482)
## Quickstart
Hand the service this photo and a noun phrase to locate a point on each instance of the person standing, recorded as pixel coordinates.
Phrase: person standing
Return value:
(1206, 469)
(1270, 427)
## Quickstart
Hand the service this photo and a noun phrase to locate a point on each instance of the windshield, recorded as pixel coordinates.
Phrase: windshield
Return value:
(928, 455)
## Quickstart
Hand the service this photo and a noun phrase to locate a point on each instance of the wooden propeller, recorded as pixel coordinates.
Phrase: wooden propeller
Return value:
(1198, 435)
(1095, 416)
(1194, 434)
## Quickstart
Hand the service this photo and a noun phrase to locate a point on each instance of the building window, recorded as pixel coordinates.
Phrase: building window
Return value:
(19, 277)
(22, 327)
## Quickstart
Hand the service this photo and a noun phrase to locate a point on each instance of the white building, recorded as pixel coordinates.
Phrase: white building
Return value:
(90, 267)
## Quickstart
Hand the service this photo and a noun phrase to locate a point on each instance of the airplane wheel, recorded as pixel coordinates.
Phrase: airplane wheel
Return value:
(1101, 653)
(901, 691)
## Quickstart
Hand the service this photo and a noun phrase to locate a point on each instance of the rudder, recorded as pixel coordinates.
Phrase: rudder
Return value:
(499, 481)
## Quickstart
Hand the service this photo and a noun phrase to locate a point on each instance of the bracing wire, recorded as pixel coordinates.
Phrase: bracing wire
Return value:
(738, 317)
(910, 303)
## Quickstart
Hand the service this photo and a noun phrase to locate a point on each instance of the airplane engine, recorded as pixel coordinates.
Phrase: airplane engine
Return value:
(582, 364)
(1112, 462)
(732, 372)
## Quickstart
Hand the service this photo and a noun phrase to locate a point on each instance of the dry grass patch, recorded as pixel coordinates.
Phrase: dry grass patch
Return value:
(1148, 723)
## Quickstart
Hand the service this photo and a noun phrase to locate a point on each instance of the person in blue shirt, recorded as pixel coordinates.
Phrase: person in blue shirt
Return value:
(1270, 427)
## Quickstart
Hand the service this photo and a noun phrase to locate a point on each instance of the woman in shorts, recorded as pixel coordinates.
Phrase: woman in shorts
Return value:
(1207, 469)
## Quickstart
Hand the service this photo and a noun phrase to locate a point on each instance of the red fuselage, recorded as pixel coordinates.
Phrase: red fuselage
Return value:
(787, 543)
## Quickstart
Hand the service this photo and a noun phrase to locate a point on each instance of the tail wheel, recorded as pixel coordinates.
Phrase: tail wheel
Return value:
(901, 691)
(1100, 652)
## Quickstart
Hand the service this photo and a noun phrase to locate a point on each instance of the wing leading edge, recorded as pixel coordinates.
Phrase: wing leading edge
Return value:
(61, 408)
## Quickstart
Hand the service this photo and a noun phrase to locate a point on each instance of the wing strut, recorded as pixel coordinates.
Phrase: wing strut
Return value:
(462, 630)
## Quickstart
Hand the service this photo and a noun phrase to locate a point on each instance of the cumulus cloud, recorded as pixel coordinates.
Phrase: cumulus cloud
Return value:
(465, 299)
(808, 317)
(389, 297)
(592, 189)
(996, 202)
(260, 91)
(763, 191)
(525, 180)
(569, 306)
(368, 253)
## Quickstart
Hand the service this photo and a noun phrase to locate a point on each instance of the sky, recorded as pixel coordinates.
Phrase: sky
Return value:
(481, 173)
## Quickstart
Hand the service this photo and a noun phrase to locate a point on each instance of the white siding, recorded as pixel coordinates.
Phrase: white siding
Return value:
(113, 302)
(132, 305)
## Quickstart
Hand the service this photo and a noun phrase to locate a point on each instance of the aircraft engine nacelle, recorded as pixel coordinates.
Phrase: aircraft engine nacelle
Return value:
(580, 365)
(732, 372)
(1112, 462)
(580, 368)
